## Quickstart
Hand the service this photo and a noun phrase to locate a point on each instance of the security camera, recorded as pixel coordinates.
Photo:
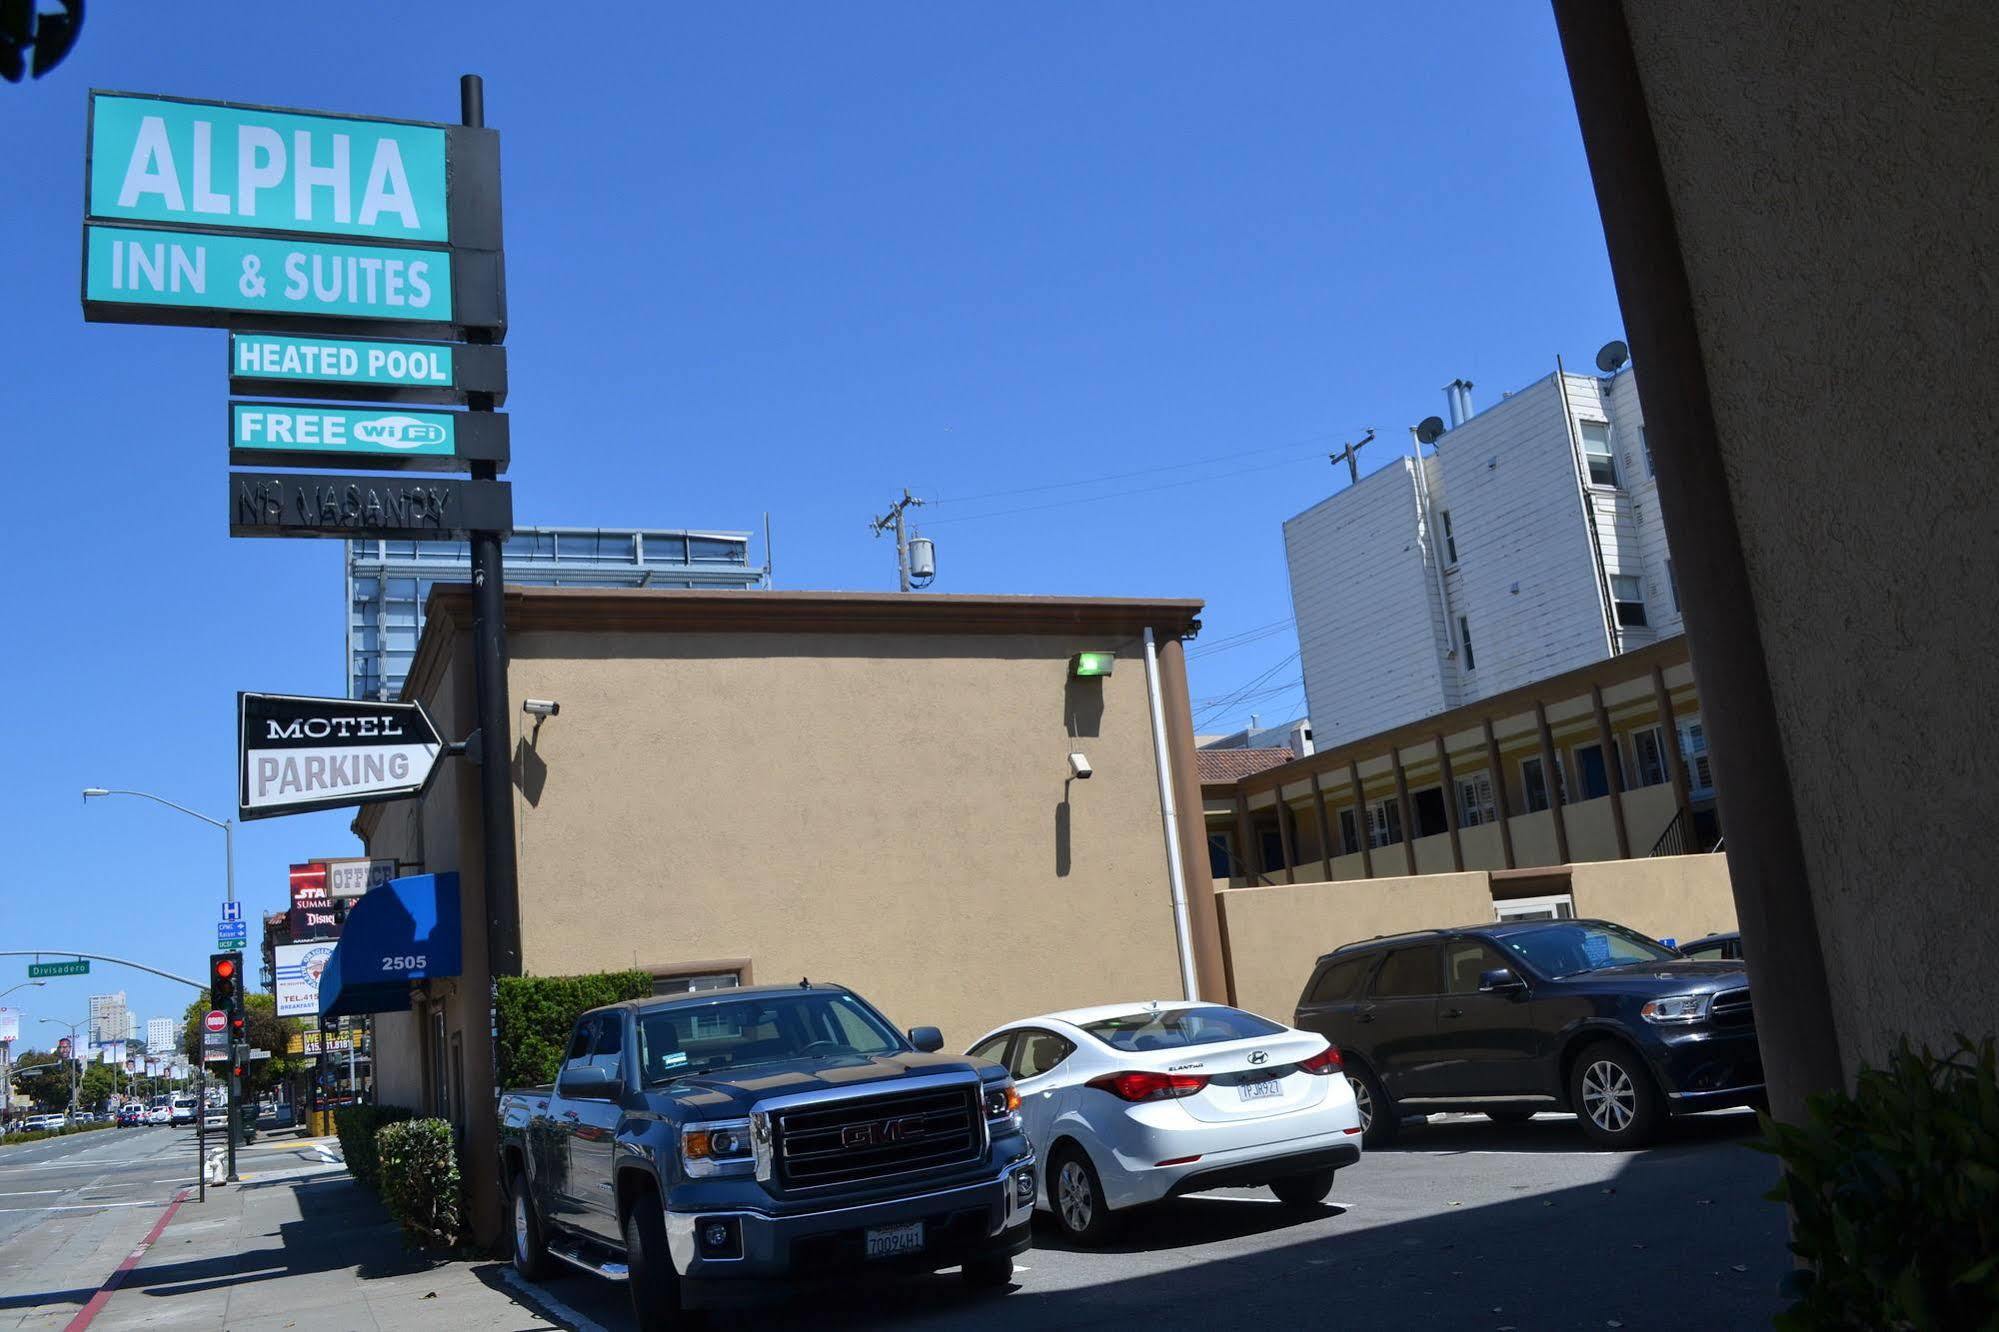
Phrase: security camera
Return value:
(540, 707)
(1079, 766)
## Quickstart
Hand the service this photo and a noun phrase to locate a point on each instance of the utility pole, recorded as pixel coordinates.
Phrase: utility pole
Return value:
(893, 519)
(1351, 452)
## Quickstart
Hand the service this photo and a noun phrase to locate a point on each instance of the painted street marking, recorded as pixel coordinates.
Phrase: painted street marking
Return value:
(537, 1298)
(117, 1277)
(83, 1207)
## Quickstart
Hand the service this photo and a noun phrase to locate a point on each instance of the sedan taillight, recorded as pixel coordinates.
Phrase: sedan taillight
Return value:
(1325, 1062)
(1148, 1086)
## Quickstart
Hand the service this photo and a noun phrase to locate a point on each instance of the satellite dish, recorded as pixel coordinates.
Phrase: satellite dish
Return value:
(1430, 431)
(1611, 358)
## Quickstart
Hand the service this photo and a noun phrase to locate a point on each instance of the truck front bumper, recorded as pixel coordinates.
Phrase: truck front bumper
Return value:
(986, 1218)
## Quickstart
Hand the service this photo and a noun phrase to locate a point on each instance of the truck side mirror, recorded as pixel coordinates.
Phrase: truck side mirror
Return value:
(1500, 980)
(927, 1039)
(587, 1084)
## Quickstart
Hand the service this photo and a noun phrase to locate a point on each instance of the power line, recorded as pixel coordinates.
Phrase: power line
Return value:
(1243, 639)
(1233, 697)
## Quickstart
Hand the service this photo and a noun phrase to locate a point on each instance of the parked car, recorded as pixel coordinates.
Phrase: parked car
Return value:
(131, 1114)
(1512, 1018)
(1714, 948)
(181, 1110)
(215, 1119)
(702, 1146)
(1131, 1103)
(43, 1123)
(159, 1114)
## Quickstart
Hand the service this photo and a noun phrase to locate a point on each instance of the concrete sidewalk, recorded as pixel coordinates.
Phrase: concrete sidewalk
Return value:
(299, 1245)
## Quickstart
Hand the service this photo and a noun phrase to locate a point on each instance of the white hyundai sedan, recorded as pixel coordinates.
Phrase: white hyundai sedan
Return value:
(1131, 1103)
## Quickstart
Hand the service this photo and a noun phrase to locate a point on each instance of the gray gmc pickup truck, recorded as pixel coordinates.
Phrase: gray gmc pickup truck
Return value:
(698, 1146)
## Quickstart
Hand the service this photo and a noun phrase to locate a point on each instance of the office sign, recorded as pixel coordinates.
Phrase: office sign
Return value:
(299, 966)
(310, 505)
(373, 369)
(296, 754)
(40, 970)
(355, 878)
(280, 434)
(212, 164)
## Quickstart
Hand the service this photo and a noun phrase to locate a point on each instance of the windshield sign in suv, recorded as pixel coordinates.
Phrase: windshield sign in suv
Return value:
(1510, 1019)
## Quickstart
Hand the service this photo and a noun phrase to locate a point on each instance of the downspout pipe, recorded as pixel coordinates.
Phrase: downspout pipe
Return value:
(1183, 929)
(1431, 546)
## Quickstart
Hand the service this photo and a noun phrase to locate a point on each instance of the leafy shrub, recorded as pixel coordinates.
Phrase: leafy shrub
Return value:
(537, 1013)
(357, 1126)
(421, 1182)
(1895, 1194)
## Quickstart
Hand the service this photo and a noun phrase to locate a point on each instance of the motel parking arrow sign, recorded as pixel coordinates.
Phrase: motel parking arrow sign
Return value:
(297, 754)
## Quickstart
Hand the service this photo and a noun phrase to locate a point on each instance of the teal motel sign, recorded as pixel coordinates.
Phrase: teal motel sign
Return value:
(291, 434)
(282, 365)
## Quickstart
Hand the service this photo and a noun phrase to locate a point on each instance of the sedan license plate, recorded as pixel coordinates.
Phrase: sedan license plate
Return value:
(1254, 1091)
(889, 1241)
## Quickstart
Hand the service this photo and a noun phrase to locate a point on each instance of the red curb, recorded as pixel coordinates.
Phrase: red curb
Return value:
(117, 1278)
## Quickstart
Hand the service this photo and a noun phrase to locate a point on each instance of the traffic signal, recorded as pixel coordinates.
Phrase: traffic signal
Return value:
(225, 982)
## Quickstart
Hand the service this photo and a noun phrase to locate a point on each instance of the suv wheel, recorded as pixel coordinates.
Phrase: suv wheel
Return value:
(531, 1258)
(1077, 1198)
(1612, 1093)
(1378, 1120)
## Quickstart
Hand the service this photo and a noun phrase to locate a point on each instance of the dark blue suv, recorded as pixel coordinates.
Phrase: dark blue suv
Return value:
(1510, 1019)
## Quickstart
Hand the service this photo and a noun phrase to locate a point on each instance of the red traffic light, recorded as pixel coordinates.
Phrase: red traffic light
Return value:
(225, 968)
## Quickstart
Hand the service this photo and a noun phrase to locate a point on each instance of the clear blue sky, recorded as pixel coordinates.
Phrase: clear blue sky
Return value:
(788, 259)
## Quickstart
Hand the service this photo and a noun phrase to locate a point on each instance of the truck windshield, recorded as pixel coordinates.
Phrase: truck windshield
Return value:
(724, 1034)
(1570, 949)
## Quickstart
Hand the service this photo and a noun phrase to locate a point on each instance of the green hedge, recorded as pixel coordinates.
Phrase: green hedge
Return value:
(1894, 1194)
(357, 1126)
(421, 1183)
(40, 1134)
(537, 1013)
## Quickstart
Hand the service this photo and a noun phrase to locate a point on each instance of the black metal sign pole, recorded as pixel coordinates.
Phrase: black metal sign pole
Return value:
(489, 671)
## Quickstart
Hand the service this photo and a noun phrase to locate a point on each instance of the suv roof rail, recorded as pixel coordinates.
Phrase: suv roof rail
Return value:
(1382, 938)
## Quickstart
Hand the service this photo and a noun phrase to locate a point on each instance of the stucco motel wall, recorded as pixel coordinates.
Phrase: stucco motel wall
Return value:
(1832, 184)
(1275, 934)
(1677, 897)
(889, 811)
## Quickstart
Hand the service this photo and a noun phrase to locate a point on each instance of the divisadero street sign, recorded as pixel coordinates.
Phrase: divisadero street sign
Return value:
(39, 970)
(275, 364)
(280, 434)
(293, 504)
(298, 753)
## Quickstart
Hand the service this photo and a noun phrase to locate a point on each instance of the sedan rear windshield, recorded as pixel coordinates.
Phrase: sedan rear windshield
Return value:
(1174, 1028)
(725, 1034)
(1570, 949)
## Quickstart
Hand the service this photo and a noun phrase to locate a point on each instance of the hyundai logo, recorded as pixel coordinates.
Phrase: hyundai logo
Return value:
(1258, 1056)
(398, 432)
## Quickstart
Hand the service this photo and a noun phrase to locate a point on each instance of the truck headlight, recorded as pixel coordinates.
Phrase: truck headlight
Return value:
(1676, 1008)
(717, 1147)
(1003, 1106)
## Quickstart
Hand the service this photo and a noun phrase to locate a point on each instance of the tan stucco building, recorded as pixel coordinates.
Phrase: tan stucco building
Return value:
(871, 789)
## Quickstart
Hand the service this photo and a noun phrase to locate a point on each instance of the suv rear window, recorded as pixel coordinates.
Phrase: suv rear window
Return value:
(1338, 981)
(1173, 1028)
(1407, 972)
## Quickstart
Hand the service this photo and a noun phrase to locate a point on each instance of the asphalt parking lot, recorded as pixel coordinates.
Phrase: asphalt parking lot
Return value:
(1463, 1224)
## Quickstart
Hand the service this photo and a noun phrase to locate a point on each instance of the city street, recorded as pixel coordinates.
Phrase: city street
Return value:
(72, 1208)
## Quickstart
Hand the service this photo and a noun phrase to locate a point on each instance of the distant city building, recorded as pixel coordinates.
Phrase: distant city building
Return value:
(108, 1019)
(1525, 542)
(389, 581)
(160, 1036)
(1294, 735)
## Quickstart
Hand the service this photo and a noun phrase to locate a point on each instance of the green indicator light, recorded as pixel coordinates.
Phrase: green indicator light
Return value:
(1094, 663)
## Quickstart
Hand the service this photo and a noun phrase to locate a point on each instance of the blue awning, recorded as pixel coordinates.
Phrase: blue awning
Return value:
(406, 930)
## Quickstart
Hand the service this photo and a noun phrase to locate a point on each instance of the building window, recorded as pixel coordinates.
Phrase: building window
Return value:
(1693, 748)
(1628, 592)
(697, 982)
(1535, 786)
(1384, 824)
(1651, 756)
(1559, 907)
(1218, 857)
(1475, 801)
(1464, 638)
(1272, 842)
(1450, 538)
(1592, 777)
(1673, 584)
(1349, 836)
(1645, 446)
(1596, 452)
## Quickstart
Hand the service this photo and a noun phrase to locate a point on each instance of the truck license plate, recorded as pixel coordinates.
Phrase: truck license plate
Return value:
(888, 1241)
(1251, 1091)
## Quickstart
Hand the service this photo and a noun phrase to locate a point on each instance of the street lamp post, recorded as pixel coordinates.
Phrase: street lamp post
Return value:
(228, 827)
